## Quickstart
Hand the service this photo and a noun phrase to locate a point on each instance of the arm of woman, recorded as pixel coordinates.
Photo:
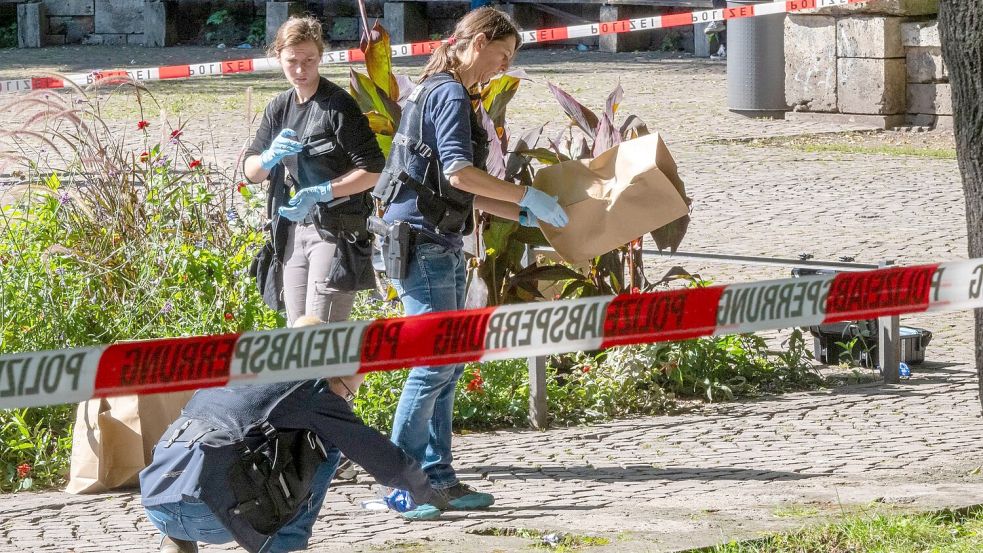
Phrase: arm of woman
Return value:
(507, 210)
(353, 182)
(358, 142)
(252, 166)
(450, 108)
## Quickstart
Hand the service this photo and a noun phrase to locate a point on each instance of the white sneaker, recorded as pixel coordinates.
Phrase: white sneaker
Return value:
(721, 53)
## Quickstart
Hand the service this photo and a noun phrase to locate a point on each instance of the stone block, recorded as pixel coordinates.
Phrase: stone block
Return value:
(277, 13)
(526, 16)
(810, 62)
(935, 99)
(624, 42)
(112, 39)
(74, 28)
(929, 120)
(922, 34)
(119, 17)
(32, 25)
(158, 29)
(856, 121)
(406, 21)
(345, 28)
(925, 65)
(870, 86)
(70, 7)
(446, 10)
(54, 40)
(138, 39)
(869, 37)
(883, 7)
(92, 40)
(701, 42)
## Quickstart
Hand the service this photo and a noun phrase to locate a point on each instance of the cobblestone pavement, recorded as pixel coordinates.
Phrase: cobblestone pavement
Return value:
(716, 472)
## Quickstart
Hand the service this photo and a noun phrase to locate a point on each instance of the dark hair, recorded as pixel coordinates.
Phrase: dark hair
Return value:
(495, 24)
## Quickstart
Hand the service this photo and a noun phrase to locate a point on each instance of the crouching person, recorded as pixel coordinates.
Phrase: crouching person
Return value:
(253, 463)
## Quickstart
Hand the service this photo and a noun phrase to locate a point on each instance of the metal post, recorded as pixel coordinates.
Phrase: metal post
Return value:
(538, 411)
(889, 344)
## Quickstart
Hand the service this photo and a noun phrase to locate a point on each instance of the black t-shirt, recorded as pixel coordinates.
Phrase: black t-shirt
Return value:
(336, 119)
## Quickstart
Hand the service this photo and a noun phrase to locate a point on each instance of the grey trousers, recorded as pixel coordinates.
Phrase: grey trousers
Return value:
(308, 263)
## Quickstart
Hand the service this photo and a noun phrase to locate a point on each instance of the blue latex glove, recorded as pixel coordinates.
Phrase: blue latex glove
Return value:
(527, 219)
(544, 207)
(400, 501)
(300, 205)
(283, 145)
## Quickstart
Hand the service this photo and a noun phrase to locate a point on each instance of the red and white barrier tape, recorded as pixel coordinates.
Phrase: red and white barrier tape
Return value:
(425, 48)
(506, 332)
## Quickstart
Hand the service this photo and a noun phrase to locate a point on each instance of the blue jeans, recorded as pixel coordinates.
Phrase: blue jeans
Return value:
(192, 520)
(435, 281)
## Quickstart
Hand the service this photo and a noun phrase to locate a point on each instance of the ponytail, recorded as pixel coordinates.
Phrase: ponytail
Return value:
(493, 23)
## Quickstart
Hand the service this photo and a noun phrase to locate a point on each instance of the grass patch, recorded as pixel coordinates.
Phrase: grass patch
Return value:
(795, 510)
(554, 541)
(959, 531)
(859, 143)
(933, 153)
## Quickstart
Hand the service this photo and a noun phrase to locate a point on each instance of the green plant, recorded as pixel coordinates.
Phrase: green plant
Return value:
(8, 36)
(671, 41)
(234, 25)
(220, 17)
(501, 267)
(102, 243)
(257, 32)
(34, 447)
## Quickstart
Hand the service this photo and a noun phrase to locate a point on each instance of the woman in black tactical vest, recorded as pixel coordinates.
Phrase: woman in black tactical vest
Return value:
(315, 140)
(433, 180)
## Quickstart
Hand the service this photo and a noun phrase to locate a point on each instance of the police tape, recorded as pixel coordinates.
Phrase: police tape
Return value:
(505, 332)
(228, 67)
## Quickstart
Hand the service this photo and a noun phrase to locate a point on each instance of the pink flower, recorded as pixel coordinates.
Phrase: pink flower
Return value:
(587, 369)
(229, 316)
(23, 471)
(142, 125)
(194, 163)
(175, 134)
(239, 186)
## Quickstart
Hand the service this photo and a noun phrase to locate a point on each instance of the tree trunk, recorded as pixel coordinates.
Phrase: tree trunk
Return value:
(961, 28)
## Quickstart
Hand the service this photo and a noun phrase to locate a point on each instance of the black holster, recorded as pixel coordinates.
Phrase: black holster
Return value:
(395, 242)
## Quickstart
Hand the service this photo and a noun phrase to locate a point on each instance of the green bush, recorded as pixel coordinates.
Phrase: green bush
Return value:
(8, 36)
(102, 244)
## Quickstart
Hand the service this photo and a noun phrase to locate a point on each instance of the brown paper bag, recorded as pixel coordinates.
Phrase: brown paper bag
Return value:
(114, 438)
(612, 199)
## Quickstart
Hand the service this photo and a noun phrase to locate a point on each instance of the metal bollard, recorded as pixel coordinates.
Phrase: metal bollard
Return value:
(538, 410)
(889, 343)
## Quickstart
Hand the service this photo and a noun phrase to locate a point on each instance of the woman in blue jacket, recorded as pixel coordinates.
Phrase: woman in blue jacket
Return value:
(433, 180)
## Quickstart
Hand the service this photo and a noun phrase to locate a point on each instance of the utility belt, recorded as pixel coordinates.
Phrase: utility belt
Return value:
(396, 243)
(342, 218)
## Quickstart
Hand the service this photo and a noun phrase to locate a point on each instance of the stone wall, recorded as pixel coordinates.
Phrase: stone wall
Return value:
(117, 22)
(879, 63)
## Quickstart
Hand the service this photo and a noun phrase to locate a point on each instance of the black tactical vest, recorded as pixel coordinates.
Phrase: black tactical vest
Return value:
(448, 209)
